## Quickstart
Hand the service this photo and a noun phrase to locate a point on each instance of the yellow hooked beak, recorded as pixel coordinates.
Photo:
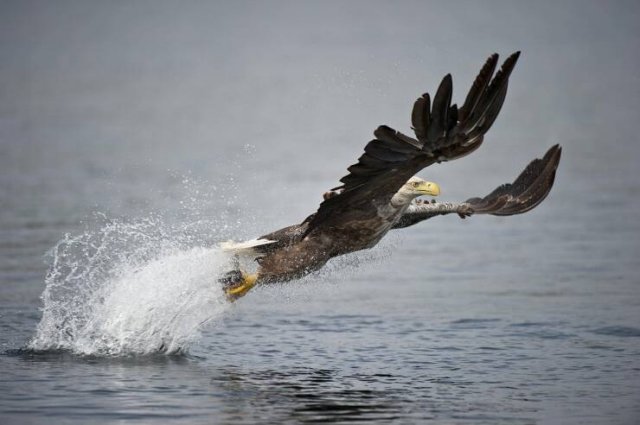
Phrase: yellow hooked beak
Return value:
(428, 188)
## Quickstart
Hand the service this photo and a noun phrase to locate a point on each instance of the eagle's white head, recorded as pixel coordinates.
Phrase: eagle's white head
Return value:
(413, 188)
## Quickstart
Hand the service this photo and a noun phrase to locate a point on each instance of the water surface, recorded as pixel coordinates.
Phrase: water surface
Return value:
(134, 137)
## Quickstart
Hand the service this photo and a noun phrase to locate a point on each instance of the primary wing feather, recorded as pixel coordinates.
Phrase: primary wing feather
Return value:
(526, 192)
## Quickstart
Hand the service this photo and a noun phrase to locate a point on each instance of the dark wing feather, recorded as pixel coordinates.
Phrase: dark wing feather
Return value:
(443, 133)
(440, 110)
(479, 86)
(526, 192)
(421, 115)
(491, 100)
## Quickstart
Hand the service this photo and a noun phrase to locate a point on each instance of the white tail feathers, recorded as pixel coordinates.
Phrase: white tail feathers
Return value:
(246, 247)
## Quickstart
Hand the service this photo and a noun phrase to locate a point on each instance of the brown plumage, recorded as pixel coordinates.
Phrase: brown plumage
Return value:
(377, 193)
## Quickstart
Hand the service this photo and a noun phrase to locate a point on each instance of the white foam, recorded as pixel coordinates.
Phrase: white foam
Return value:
(129, 289)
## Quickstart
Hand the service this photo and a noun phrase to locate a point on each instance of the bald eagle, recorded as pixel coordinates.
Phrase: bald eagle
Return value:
(379, 192)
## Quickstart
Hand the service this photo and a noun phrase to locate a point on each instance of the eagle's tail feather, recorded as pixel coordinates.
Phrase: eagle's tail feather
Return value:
(246, 247)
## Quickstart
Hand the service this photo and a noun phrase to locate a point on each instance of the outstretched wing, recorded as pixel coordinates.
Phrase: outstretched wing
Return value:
(443, 132)
(527, 191)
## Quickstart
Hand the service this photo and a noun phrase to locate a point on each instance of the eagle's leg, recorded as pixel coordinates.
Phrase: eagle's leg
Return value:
(237, 283)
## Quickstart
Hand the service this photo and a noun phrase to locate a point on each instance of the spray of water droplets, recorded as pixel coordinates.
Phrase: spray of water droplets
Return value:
(148, 285)
(130, 287)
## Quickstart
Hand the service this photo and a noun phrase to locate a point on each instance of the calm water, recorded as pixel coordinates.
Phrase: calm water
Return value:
(134, 137)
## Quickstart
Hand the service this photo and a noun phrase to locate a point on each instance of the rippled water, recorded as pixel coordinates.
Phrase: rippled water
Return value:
(134, 138)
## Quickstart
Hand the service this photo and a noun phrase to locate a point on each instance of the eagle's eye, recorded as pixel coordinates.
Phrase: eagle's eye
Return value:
(415, 184)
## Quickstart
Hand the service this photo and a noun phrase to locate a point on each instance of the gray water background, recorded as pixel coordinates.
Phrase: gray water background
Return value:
(107, 106)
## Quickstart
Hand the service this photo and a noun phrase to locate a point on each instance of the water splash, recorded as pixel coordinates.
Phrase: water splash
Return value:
(128, 288)
(134, 287)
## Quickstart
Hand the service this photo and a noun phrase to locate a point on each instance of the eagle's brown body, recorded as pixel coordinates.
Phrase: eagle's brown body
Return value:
(376, 196)
(300, 252)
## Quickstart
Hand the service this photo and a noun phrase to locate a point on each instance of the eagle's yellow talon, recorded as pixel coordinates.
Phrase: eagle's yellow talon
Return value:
(244, 285)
